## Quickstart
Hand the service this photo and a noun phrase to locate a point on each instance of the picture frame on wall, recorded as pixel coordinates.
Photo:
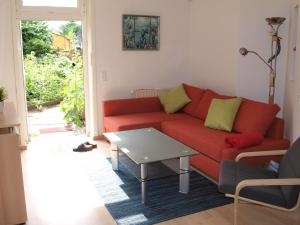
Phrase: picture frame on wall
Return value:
(141, 32)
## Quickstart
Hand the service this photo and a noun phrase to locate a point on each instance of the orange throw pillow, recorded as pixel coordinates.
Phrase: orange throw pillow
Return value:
(255, 116)
(245, 140)
(195, 94)
(204, 104)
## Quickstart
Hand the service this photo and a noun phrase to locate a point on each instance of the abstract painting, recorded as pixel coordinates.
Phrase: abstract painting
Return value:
(141, 32)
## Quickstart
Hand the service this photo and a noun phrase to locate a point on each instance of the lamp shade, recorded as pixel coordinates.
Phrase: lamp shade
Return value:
(275, 20)
(243, 51)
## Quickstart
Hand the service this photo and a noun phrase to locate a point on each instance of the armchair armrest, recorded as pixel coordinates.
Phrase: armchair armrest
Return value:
(262, 182)
(266, 182)
(259, 154)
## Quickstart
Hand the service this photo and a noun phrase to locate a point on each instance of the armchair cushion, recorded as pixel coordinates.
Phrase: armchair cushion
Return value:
(232, 173)
(290, 168)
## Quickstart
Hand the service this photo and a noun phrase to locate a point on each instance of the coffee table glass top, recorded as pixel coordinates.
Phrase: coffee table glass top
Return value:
(148, 145)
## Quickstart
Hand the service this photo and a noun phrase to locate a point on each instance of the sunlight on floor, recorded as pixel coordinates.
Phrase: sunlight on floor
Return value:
(54, 184)
(59, 192)
(139, 218)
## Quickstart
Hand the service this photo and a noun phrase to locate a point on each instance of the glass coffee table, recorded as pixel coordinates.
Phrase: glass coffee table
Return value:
(144, 146)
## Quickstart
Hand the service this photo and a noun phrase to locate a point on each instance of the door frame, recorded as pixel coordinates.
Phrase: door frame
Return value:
(83, 13)
(292, 90)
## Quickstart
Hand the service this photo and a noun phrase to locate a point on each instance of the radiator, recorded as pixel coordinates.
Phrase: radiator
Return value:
(148, 92)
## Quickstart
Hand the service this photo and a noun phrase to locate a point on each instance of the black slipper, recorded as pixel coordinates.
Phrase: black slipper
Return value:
(93, 145)
(82, 148)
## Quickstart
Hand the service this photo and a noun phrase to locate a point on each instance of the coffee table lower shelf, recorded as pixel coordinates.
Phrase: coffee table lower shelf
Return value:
(184, 173)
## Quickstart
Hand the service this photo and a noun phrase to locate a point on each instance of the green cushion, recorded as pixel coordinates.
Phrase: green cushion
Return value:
(222, 113)
(174, 99)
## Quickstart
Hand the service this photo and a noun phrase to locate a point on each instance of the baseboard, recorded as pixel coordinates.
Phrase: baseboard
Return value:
(99, 138)
(23, 148)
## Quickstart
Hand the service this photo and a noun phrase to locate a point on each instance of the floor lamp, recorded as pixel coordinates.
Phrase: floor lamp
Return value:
(274, 23)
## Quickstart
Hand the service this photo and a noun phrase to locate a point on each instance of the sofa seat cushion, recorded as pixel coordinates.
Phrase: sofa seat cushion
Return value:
(192, 133)
(140, 120)
(232, 173)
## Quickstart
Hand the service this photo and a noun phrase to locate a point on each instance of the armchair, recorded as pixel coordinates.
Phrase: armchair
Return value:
(260, 186)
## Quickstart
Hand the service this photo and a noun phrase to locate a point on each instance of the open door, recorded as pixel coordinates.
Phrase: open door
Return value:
(56, 10)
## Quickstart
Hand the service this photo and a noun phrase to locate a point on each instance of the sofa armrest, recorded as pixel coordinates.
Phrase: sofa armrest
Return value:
(259, 154)
(268, 144)
(130, 106)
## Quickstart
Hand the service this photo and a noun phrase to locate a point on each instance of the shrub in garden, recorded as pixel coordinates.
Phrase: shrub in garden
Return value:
(36, 37)
(3, 94)
(44, 78)
(73, 93)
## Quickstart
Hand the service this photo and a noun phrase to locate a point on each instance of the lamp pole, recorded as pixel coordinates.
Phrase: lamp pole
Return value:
(274, 23)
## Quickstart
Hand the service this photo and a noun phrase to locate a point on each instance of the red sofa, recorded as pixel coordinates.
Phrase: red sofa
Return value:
(187, 126)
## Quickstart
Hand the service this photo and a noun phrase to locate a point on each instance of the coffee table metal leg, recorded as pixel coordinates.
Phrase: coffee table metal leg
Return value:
(144, 182)
(184, 177)
(114, 156)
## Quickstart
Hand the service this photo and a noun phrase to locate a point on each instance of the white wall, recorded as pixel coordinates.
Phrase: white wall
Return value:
(253, 75)
(199, 44)
(213, 40)
(7, 76)
(218, 29)
(127, 70)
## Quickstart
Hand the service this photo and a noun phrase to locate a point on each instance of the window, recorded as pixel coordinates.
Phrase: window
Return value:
(51, 3)
(49, 9)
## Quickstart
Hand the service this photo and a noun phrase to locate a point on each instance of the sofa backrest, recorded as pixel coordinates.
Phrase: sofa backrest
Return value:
(290, 168)
(276, 131)
(195, 94)
(130, 106)
(204, 104)
(255, 116)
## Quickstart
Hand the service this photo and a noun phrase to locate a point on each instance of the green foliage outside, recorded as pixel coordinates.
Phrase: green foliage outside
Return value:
(36, 37)
(71, 26)
(73, 31)
(45, 77)
(73, 94)
(53, 76)
(3, 94)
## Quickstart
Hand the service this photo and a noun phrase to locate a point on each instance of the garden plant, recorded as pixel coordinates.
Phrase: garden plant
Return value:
(51, 75)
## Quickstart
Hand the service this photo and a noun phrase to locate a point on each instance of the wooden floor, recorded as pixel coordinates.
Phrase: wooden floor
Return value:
(57, 193)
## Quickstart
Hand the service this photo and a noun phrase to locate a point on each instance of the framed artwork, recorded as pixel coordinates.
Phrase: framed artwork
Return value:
(141, 32)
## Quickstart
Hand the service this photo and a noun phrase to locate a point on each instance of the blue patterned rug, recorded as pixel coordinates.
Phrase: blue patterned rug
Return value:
(121, 193)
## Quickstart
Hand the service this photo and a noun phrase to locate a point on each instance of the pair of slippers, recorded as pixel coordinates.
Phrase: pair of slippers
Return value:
(85, 147)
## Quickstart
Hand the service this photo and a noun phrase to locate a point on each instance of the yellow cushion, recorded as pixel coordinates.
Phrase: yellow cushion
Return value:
(174, 99)
(222, 113)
